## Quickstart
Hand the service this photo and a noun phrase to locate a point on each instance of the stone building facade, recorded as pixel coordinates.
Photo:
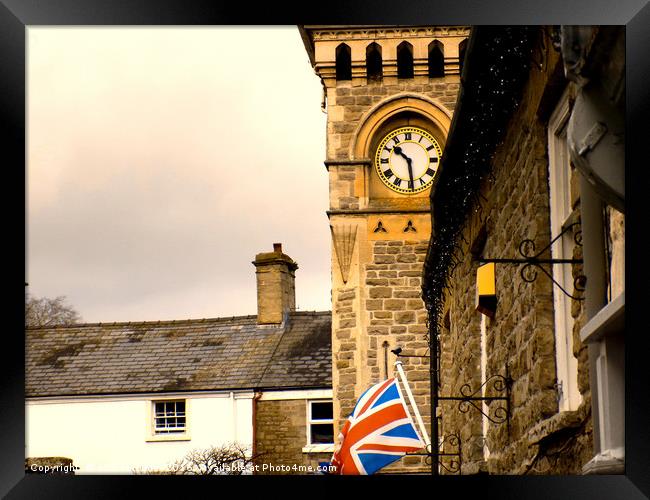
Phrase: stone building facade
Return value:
(375, 81)
(283, 433)
(522, 196)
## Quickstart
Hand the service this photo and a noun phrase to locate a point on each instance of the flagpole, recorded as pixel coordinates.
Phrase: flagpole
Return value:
(418, 417)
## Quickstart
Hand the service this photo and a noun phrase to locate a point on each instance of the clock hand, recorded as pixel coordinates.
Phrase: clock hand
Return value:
(399, 151)
(408, 162)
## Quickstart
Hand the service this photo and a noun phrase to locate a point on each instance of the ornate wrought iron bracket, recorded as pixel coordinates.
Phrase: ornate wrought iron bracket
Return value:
(451, 461)
(532, 261)
(497, 414)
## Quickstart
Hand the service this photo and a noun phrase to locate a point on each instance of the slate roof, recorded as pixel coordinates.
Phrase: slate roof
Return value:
(188, 355)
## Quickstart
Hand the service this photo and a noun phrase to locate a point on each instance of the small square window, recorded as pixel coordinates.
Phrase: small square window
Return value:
(321, 411)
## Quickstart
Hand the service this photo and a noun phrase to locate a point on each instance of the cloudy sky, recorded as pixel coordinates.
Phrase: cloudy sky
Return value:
(160, 161)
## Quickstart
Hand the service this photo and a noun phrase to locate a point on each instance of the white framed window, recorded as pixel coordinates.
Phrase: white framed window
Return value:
(560, 173)
(320, 426)
(169, 417)
(168, 420)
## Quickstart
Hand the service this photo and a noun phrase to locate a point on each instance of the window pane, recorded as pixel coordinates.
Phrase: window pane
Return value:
(322, 411)
(322, 433)
(169, 417)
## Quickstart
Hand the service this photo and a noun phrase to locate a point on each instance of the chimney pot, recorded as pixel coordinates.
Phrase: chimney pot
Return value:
(277, 247)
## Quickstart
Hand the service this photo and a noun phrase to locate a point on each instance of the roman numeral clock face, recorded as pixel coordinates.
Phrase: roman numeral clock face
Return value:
(407, 160)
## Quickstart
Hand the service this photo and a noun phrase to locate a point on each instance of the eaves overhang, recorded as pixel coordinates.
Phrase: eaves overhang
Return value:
(494, 71)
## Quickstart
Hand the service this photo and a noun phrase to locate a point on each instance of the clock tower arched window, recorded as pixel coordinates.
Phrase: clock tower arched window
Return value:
(405, 60)
(374, 62)
(343, 62)
(436, 60)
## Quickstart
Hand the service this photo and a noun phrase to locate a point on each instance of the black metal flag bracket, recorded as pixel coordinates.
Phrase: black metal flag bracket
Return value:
(498, 384)
(398, 352)
(532, 261)
(450, 461)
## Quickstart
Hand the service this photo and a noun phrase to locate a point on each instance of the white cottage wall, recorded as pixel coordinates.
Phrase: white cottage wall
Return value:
(112, 434)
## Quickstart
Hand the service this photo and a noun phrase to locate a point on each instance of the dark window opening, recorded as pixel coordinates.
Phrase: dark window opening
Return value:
(436, 60)
(343, 62)
(322, 433)
(322, 411)
(374, 69)
(405, 60)
(321, 422)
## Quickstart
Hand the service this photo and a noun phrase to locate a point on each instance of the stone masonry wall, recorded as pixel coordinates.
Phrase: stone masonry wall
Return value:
(460, 360)
(520, 339)
(347, 104)
(396, 315)
(281, 434)
(344, 355)
(380, 308)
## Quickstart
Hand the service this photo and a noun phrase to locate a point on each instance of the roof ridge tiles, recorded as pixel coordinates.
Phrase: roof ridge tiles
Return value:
(146, 322)
(168, 321)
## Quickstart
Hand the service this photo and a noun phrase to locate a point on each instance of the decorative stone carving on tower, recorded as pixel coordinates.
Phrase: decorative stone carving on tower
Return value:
(343, 238)
(390, 92)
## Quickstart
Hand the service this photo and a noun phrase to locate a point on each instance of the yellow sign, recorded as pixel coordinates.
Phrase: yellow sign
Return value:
(486, 297)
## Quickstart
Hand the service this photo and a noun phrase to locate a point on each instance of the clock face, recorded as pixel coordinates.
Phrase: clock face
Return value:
(407, 160)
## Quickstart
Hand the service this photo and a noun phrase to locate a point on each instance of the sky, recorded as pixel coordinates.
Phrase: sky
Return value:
(161, 160)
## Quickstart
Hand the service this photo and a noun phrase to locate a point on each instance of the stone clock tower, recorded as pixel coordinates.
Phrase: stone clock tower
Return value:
(389, 93)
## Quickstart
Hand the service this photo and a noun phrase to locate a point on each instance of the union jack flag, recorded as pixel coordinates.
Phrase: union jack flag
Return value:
(378, 432)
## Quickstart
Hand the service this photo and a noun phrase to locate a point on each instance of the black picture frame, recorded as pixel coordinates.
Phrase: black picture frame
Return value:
(16, 15)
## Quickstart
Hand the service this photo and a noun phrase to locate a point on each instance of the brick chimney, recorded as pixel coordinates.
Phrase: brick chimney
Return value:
(276, 290)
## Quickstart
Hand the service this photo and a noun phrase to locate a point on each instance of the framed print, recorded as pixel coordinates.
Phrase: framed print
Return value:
(481, 188)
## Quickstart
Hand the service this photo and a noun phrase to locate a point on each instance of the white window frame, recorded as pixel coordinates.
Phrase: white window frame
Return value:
(318, 447)
(153, 435)
(569, 397)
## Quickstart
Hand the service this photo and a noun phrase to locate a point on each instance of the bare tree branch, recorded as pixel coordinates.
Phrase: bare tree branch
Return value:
(44, 312)
(228, 459)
